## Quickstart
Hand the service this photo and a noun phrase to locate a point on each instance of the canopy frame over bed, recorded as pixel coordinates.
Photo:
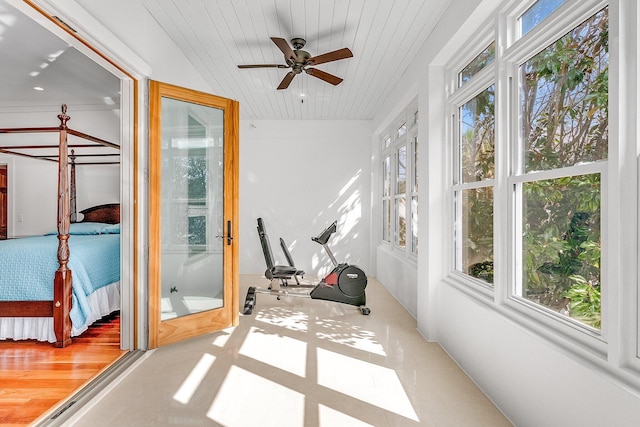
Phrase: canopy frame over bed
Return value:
(60, 306)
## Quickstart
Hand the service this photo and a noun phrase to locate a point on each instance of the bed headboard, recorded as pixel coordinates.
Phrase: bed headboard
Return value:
(108, 213)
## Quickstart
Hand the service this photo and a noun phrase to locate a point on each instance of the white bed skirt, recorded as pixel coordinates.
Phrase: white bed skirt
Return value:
(104, 301)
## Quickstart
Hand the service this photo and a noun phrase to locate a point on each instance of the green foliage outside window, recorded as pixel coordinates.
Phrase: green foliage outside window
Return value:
(565, 123)
(565, 99)
(561, 245)
(477, 158)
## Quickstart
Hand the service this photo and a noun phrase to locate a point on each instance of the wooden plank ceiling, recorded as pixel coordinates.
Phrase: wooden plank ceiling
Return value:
(218, 35)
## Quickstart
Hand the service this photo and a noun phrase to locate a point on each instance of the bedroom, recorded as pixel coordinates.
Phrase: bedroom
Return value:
(46, 73)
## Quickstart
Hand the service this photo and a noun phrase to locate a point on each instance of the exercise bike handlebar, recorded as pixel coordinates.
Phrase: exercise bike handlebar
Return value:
(323, 238)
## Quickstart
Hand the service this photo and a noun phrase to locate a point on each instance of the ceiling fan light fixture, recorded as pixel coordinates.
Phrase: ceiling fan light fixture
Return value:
(298, 43)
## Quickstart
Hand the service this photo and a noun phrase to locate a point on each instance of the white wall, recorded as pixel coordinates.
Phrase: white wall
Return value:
(139, 42)
(532, 382)
(301, 184)
(399, 276)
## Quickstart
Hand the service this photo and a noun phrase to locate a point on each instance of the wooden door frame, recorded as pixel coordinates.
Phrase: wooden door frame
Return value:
(198, 323)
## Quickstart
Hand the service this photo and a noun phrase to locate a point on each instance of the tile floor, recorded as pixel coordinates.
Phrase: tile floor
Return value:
(299, 362)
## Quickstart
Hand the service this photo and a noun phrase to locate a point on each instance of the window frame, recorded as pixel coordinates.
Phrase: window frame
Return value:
(413, 191)
(385, 202)
(409, 119)
(477, 84)
(536, 40)
(511, 52)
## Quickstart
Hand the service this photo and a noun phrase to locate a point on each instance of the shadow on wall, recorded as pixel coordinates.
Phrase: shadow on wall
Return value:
(296, 222)
(348, 205)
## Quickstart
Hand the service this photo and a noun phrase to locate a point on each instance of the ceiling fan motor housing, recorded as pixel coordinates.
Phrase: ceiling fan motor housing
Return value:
(302, 57)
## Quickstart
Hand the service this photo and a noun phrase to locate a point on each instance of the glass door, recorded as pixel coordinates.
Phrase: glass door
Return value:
(193, 258)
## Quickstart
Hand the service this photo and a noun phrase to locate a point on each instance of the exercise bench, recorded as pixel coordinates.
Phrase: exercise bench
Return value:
(282, 273)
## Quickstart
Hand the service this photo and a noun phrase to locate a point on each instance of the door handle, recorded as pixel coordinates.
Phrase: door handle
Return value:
(228, 236)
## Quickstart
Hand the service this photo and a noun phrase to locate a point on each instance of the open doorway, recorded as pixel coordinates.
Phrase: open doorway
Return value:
(47, 70)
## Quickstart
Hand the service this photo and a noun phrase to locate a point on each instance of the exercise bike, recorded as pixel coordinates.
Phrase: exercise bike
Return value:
(345, 284)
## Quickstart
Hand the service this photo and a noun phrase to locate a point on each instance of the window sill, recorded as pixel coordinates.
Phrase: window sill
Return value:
(547, 325)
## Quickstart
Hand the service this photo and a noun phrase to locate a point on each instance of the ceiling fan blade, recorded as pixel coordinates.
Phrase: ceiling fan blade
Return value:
(330, 56)
(264, 66)
(285, 48)
(287, 80)
(323, 75)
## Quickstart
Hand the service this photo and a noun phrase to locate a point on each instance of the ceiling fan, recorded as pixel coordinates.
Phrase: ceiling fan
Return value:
(299, 60)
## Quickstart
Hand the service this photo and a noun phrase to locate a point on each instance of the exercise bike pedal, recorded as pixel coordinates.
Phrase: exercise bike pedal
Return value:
(364, 310)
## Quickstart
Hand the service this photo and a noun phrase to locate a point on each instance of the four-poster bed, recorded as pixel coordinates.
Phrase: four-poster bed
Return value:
(94, 252)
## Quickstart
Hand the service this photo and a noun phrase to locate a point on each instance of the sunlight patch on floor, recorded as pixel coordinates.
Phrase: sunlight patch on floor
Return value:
(279, 351)
(193, 380)
(285, 318)
(332, 418)
(348, 334)
(368, 382)
(248, 400)
(221, 340)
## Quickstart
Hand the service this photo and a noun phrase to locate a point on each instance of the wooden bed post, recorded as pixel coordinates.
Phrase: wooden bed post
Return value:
(72, 200)
(62, 280)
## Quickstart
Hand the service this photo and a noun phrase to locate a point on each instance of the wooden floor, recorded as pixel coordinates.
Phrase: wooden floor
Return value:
(35, 376)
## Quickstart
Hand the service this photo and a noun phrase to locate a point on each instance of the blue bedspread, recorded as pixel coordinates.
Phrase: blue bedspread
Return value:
(28, 265)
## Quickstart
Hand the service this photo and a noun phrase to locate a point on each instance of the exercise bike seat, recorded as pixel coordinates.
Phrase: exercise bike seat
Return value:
(273, 271)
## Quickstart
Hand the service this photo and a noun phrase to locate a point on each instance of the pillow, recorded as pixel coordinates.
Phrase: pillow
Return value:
(111, 229)
(84, 228)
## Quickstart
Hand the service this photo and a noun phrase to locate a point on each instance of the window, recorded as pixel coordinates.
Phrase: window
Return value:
(483, 59)
(196, 189)
(402, 130)
(386, 198)
(399, 198)
(473, 192)
(414, 194)
(536, 14)
(564, 143)
(192, 154)
(554, 140)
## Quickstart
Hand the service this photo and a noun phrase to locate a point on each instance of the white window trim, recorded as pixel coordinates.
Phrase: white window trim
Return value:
(484, 79)
(615, 350)
(406, 117)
